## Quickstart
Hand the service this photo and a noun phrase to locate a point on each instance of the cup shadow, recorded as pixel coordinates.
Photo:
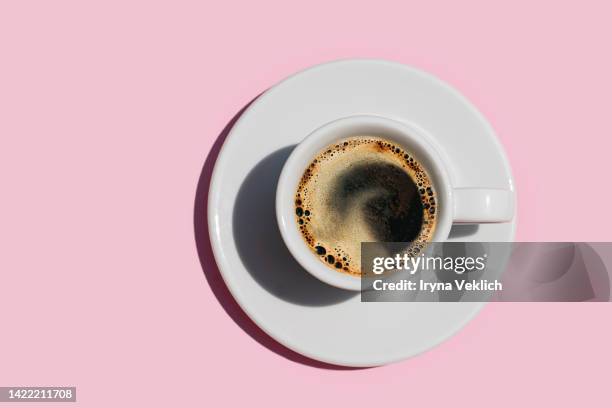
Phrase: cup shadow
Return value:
(260, 244)
(253, 204)
(463, 230)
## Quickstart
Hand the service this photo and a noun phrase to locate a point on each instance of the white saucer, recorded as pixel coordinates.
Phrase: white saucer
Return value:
(307, 316)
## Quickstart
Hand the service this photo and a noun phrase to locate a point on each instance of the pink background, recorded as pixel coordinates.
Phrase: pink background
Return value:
(108, 112)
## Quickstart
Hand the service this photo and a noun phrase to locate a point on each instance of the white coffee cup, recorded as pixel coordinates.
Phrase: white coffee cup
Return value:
(455, 205)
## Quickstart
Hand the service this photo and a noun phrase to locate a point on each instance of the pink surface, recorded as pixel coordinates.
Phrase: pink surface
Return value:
(108, 112)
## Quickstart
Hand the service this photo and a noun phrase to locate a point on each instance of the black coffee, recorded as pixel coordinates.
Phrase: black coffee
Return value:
(363, 189)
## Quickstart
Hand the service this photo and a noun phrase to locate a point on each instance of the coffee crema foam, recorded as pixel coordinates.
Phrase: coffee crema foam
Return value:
(364, 189)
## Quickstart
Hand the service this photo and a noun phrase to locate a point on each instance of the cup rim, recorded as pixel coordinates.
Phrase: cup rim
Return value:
(412, 137)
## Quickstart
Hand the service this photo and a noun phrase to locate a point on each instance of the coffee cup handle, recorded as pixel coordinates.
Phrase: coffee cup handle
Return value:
(482, 205)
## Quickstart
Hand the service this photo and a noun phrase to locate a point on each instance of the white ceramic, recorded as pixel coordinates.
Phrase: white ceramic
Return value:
(304, 314)
(466, 205)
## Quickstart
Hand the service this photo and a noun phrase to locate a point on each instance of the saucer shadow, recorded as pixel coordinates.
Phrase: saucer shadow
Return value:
(211, 270)
(260, 244)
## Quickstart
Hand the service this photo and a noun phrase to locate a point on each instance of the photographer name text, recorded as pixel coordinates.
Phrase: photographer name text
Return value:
(422, 285)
